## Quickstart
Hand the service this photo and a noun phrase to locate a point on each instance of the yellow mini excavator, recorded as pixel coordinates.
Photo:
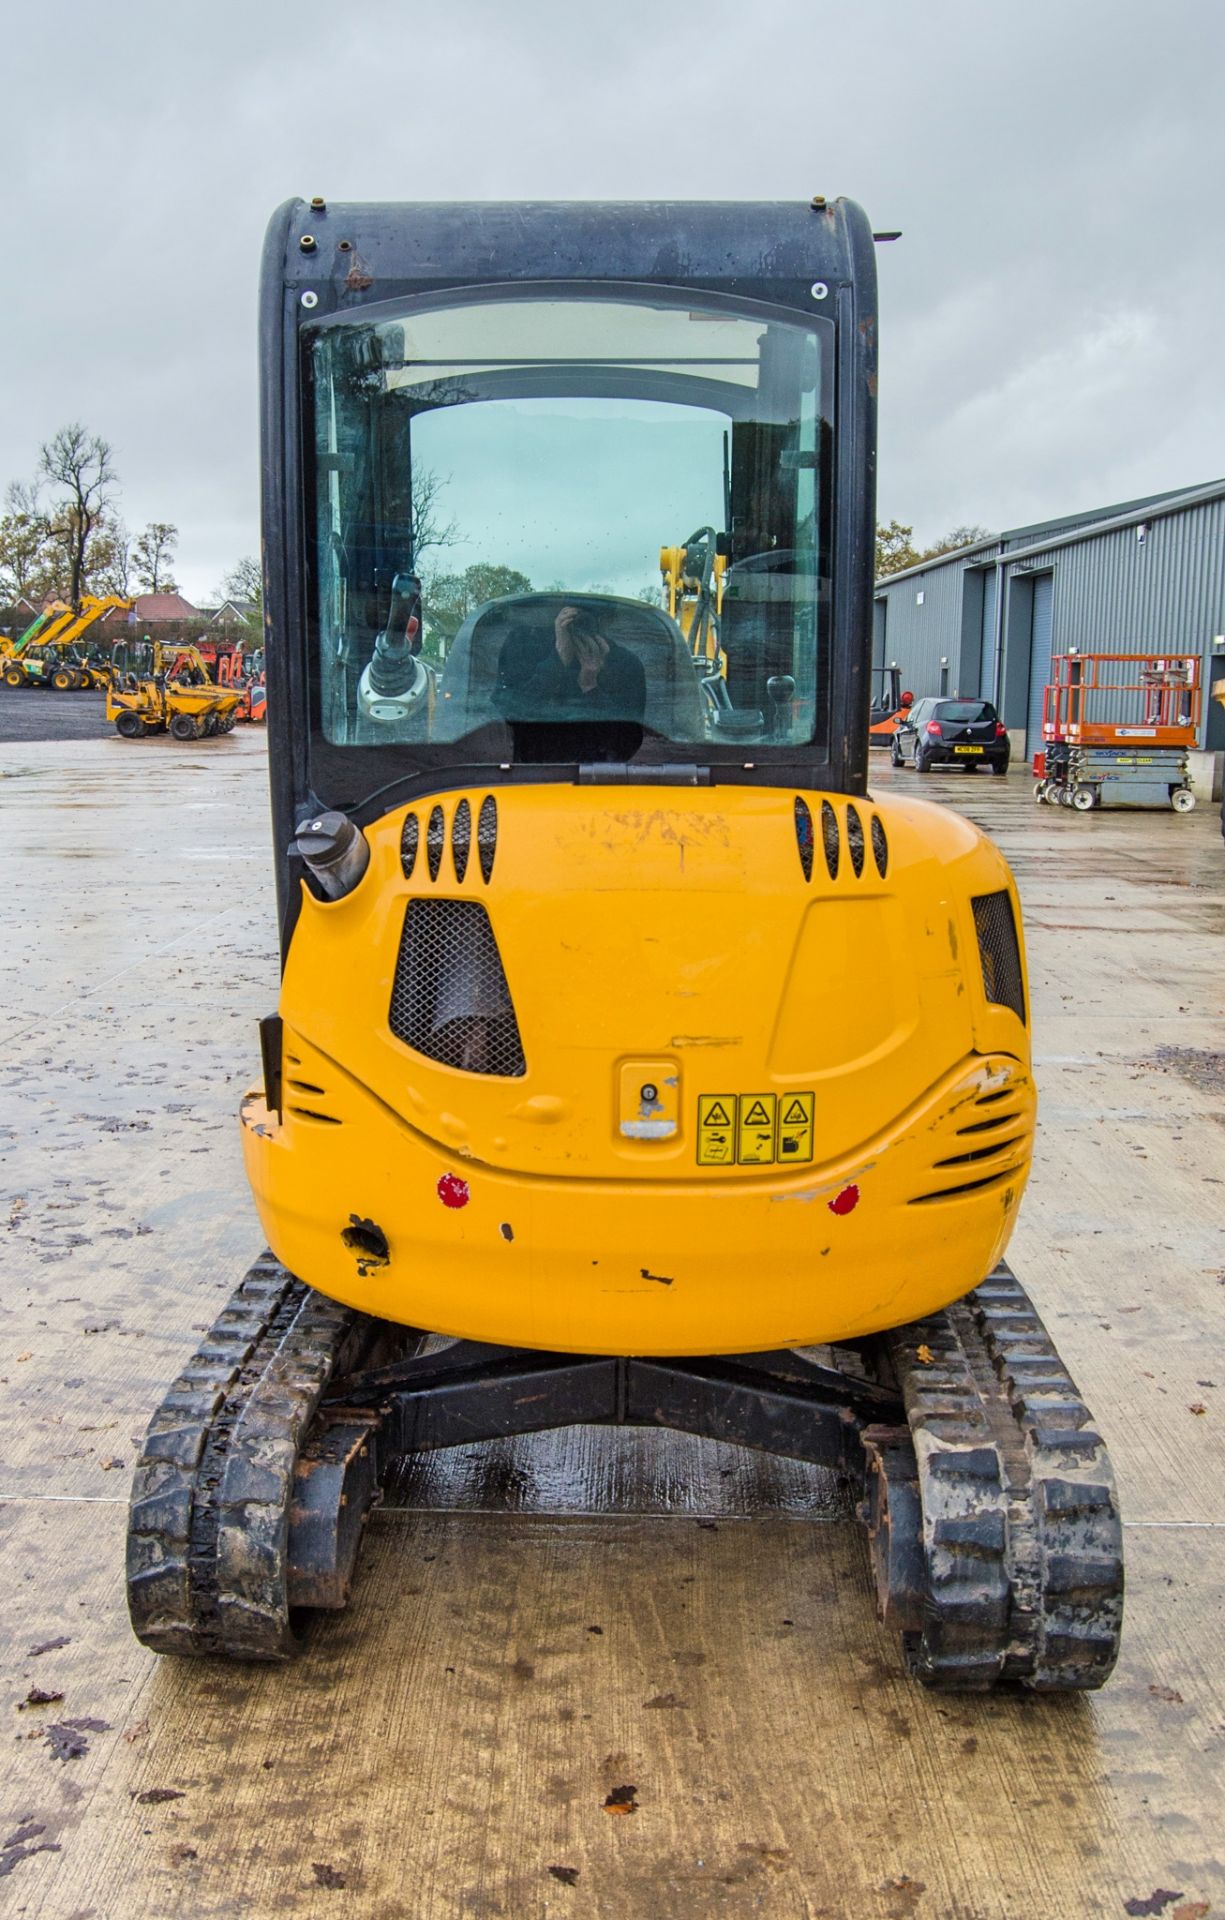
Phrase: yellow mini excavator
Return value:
(633, 1062)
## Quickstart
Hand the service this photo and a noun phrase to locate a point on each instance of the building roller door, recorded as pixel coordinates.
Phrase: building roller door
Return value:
(1039, 658)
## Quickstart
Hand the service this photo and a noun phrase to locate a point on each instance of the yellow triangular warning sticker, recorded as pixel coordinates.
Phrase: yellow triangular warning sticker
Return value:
(756, 1116)
(796, 1115)
(716, 1116)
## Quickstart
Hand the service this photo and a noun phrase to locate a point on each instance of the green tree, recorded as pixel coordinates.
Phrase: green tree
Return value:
(450, 597)
(895, 549)
(79, 466)
(152, 557)
(28, 554)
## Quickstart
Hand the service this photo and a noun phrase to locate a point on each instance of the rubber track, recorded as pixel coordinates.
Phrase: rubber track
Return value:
(208, 1523)
(1021, 1522)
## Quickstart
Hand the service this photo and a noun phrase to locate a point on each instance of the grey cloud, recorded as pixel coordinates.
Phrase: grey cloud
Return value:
(1049, 322)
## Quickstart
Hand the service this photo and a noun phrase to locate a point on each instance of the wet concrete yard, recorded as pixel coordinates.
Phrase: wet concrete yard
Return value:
(540, 1623)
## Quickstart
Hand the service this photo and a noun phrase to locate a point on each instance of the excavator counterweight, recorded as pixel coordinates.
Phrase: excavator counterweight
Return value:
(634, 1061)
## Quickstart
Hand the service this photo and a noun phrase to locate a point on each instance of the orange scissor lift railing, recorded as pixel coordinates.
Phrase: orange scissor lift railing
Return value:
(1108, 699)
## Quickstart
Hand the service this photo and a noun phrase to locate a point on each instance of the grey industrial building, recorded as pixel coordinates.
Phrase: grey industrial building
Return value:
(1148, 575)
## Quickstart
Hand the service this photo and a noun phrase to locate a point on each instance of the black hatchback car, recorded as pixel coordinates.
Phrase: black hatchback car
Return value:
(955, 733)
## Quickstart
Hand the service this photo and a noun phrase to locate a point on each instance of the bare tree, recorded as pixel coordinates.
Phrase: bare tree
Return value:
(953, 541)
(430, 528)
(244, 583)
(151, 557)
(80, 464)
(109, 560)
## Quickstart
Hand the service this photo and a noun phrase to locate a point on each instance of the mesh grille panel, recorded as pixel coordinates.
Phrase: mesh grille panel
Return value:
(831, 839)
(880, 846)
(854, 839)
(803, 835)
(999, 951)
(450, 1000)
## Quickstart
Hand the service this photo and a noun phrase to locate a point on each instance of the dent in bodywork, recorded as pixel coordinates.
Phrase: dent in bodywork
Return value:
(368, 1242)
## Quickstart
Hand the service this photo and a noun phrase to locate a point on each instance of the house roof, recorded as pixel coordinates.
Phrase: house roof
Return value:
(164, 606)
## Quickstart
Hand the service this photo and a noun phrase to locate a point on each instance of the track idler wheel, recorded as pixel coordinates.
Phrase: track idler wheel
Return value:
(892, 1512)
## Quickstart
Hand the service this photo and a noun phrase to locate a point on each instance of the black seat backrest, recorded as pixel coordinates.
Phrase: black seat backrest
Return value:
(522, 625)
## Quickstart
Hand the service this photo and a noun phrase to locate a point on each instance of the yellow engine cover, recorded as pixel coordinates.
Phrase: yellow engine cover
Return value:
(757, 1097)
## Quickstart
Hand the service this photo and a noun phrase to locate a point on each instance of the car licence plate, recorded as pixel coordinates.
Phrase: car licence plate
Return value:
(967, 749)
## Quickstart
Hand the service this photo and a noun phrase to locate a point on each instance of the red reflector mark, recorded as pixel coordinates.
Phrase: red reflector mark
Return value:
(846, 1201)
(452, 1191)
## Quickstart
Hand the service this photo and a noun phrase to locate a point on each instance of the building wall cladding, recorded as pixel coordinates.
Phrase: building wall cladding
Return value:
(918, 635)
(1113, 592)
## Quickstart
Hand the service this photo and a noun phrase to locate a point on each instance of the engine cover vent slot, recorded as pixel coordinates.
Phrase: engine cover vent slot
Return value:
(804, 835)
(487, 835)
(435, 834)
(450, 1000)
(999, 951)
(831, 839)
(855, 839)
(461, 839)
(409, 840)
(968, 1186)
(880, 846)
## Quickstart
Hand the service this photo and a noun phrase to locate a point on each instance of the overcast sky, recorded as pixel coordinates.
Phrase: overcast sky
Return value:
(1051, 324)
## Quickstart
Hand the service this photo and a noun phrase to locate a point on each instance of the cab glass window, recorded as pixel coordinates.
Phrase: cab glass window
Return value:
(562, 528)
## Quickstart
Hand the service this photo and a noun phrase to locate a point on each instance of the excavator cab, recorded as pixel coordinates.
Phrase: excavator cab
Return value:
(628, 1049)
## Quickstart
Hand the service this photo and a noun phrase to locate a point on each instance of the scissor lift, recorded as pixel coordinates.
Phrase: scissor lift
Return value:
(1117, 729)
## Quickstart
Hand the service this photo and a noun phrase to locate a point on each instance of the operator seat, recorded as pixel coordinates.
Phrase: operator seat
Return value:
(469, 678)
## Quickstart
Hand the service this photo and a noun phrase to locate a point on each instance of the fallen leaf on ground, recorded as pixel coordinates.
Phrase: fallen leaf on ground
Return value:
(1197, 1406)
(66, 1743)
(36, 1697)
(137, 1732)
(1157, 1901)
(1191, 1910)
(12, 1855)
(108, 1465)
(29, 1831)
(567, 1875)
(49, 1646)
(24, 1356)
(155, 1796)
(326, 1874)
(179, 1854)
(664, 1700)
(1167, 1693)
(621, 1800)
(925, 1354)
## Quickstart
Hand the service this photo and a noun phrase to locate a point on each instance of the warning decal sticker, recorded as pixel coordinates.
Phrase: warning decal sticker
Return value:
(755, 1129)
(755, 1134)
(717, 1130)
(795, 1127)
